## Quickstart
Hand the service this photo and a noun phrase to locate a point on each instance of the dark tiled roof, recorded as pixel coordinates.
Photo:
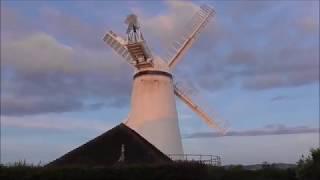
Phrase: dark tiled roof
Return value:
(105, 150)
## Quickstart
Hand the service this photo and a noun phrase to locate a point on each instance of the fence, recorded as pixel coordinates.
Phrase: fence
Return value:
(206, 159)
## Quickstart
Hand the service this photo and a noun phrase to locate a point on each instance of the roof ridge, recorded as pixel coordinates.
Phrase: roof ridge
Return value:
(145, 141)
(93, 152)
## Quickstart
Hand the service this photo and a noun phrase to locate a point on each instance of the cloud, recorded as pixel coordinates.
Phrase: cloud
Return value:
(54, 70)
(267, 130)
(253, 55)
(163, 28)
(55, 123)
(25, 106)
(75, 30)
(39, 105)
(14, 25)
(245, 44)
(61, 58)
(280, 98)
(255, 149)
(42, 75)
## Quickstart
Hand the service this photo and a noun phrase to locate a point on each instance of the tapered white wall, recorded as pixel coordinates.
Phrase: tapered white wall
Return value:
(153, 112)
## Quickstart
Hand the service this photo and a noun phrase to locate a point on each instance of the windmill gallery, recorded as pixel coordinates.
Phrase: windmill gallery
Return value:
(151, 131)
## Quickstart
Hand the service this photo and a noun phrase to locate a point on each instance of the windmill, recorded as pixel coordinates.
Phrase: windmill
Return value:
(153, 107)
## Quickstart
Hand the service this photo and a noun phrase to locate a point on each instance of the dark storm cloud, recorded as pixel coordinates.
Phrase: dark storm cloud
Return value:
(268, 130)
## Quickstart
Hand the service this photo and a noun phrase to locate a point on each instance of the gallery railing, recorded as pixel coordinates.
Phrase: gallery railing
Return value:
(202, 158)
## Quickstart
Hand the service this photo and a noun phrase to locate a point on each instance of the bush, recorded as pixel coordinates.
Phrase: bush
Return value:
(182, 170)
(309, 167)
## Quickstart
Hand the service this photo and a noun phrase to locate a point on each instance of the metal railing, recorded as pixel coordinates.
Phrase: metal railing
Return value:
(202, 158)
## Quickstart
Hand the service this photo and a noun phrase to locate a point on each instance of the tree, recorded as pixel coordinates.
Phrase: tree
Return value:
(308, 168)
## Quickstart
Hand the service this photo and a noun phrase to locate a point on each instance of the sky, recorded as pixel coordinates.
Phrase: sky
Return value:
(255, 68)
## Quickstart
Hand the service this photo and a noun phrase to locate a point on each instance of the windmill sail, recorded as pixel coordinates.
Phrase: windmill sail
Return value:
(118, 45)
(194, 107)
(153, 82)
(188, 36)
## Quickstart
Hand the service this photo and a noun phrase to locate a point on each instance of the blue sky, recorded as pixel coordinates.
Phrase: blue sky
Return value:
(256, 67)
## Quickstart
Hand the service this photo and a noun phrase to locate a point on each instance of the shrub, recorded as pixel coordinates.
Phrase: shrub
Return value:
(309, 167)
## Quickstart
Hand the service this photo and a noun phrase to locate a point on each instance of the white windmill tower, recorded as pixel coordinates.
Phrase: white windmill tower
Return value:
(153, 107)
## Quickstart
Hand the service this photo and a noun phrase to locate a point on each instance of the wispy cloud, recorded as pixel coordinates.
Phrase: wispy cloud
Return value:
(280, 98)
(267, 130)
